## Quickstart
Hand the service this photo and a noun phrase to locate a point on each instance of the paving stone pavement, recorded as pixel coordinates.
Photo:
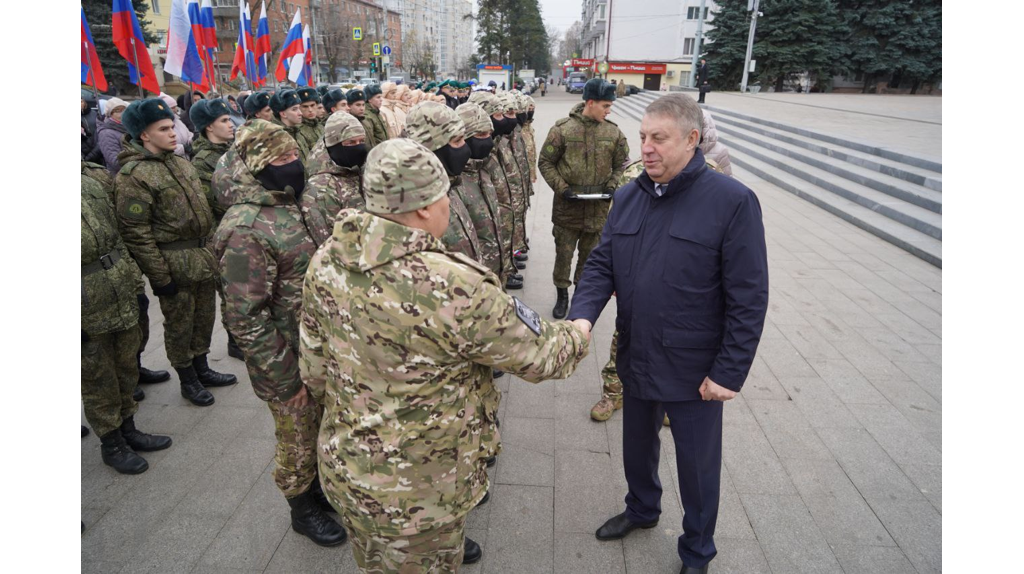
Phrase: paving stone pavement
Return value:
(832, 455)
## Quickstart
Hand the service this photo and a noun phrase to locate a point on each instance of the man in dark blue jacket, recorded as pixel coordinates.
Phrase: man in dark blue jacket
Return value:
(684, 252)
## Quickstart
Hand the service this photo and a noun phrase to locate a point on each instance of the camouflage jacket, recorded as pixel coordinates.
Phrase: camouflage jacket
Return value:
(376, 132)
(460, 237)
(492, 169)
(330, 189)
(263, 250)
(160, 200)
(101, 175)
(519, 149)
(481, 200)
(108, 294)
(399, 338)
(207, 154)
(529, 136)
(300, 138)
(311, 131)
(587, 156)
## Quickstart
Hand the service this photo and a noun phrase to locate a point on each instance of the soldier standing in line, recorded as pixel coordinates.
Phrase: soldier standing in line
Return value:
(531, 140)
(311, 129)
(356, 104)
(335, 168)
(520, 150)
(583, 154)
(110, 335)
(513, 175)
(165, 220)
(288, 113)
(333, 101)
(263, 250)
(376, 132)
(403, 442)
(257, 105)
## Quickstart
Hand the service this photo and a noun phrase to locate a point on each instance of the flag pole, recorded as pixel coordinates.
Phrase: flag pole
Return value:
(138, 72)
(92, 74)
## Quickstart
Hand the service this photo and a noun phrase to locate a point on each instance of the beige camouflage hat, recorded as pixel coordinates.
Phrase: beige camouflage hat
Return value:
(488, 101)
(342, 126)
(433, 124)
(475, 118)
(402, 176)
(530, 102)
(260, 142)
(507, 102)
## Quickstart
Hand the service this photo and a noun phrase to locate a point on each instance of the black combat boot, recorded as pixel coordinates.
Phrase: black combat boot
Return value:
(485, 499)
(208, 376)
(140, 441)
(471, 552)
(320, 497)
(234, 351)
(497, 374)
(522, 256)
(518, 276)
(513, 283)
(311, 522)
(148, 377)
(562, 304)
(116, 454)
(519, 264)
(85, 431)
(138, 394)
(192, 389)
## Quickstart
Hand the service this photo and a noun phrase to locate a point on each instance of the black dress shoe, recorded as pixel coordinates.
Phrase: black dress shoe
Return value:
(471, 552)
(485, 499)
(138, 394)
(691, 570)
(619, 526)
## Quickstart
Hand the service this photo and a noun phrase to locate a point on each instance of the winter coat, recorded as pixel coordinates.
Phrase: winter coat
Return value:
(109, 138)
(712, 148)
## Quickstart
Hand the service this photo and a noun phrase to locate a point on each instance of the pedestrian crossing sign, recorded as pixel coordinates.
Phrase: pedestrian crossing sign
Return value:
(357, 33)
(376, 48)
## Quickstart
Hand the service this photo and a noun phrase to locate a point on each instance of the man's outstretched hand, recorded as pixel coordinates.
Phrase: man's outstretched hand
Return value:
(712, 391)
(583, 325)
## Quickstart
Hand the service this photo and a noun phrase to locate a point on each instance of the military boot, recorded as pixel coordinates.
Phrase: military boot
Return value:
(117, 454)
(141, 441)
(513, 283)
(522, 256)
(85, 431)
(210, 378)
(471, 552)
(138, 394)
(148, 377)
(234, 351)
(604, 408)
(562, 304)
(320, 497)
(311, 522)
(192, 389)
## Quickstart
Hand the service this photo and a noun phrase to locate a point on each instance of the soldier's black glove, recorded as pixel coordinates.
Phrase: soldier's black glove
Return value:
(167, 290)
(85, 336)
(568, 195)
(143, 302)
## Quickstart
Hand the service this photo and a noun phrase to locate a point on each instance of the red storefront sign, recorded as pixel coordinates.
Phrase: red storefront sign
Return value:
(582, 62)
(630, 68)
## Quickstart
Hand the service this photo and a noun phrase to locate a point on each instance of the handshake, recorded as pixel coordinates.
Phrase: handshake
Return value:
(583, 325)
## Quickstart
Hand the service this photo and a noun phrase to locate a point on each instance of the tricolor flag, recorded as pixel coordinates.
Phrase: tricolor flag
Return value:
(307, 65)
(209, 29)
(92, 73)
(195, 20)
(182, 54)
(262, 47)
(292, 52)
(244, 62)
(128, 39)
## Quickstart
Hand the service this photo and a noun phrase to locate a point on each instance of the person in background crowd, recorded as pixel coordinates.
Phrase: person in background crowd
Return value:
(181, 130)
(111, 134)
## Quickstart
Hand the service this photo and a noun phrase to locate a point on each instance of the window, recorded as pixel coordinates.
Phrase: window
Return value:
(693, 11)
(161, 37)
(601, 12)
(156, 7)
(688, 46)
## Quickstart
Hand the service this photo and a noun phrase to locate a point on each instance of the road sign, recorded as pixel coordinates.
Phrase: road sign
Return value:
(385, 59)
(386, 50)
(376, 48)
(602, 68)
(357, 33)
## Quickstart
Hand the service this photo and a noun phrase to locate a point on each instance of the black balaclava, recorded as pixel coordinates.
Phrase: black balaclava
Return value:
(453, 158)
(521, 118)
(480, 148)
(504, 126)
(281, 177)
(529, 116)
(349, 156)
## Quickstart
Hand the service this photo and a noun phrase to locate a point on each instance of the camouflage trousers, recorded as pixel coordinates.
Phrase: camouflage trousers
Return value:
(188, 322)
(295, 459)
(436, 551)
(110, 372)
(143, 321)
(567, 241)
(611, 385)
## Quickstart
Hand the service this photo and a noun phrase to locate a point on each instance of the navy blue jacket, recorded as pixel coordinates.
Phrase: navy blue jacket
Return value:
(690, 273)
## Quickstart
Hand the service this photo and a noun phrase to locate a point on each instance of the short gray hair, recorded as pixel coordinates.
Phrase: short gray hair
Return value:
(680, 107)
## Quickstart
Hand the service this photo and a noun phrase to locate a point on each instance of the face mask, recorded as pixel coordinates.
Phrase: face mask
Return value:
(529, 116)
(480, 148)
(454, 159)
(503, 127)
(348, 155)
(521, 118)
(281, 177)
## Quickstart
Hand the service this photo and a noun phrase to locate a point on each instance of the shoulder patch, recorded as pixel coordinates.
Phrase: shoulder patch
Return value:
(528, 316)
(137, 210)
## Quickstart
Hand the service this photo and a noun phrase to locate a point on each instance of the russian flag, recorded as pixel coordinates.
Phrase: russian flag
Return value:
(244, 61)
(182, 54)
(262, 47)
(292, 52)
(92, 72)
(306, 79)
(195, 20)
(209, 29)
(130, 44)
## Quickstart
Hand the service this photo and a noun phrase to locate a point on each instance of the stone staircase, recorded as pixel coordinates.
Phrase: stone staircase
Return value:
(895, 196)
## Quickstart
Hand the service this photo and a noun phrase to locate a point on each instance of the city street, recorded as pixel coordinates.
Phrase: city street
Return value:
(832, 454)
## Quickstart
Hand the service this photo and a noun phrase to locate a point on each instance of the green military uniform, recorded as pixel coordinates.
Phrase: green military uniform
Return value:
(399, 337)
(376, 132)
(310, 131)
(581, 155)
(479, 196)
(207, 154)
(331, 187)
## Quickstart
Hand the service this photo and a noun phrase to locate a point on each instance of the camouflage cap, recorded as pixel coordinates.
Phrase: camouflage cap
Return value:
(342, 126)
(402, 176)
(284, 99)
(308, 94)
(530, 102)
(475, 118)
(433, 124)
(260, 142)
(488, 101)
(507, 102)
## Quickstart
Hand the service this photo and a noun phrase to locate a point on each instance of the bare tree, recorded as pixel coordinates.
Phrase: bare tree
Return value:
(572, 42)
(419, 56)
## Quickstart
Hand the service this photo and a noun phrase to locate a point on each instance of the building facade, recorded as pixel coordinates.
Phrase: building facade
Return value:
(438, 31)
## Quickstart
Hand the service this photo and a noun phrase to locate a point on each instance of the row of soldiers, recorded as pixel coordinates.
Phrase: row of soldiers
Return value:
(244, 219)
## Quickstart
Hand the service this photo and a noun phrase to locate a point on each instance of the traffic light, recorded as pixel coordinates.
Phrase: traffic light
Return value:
(373, 65)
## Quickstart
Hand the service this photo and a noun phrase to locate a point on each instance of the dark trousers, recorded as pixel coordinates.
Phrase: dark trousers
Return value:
(697, 432)
(700, 100)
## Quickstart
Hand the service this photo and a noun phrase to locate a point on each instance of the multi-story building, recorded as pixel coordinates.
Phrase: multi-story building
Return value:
(649, 44)
(439, 27)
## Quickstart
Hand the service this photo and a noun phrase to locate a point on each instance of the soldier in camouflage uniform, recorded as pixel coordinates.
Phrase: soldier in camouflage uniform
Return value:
(110, 335)
(263, 250)
(583, 154)
(165, 220)
(514, 174)
(311, 130)
(438, 128)
(288, 113)
(477, 190)
(335, 168)
(398, 336)
(530, 138)
(376, 131)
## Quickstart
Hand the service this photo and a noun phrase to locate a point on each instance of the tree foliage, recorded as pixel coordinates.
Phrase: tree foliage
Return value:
(115, 68)
(512, 32)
